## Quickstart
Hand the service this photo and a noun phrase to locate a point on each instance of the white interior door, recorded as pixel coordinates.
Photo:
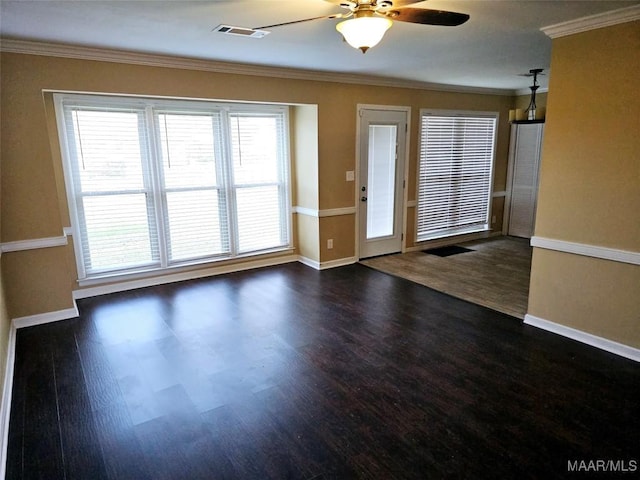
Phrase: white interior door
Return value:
(382, 155)
(524, 183)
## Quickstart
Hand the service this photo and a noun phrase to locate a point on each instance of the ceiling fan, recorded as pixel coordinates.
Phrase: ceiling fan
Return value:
(368, 20)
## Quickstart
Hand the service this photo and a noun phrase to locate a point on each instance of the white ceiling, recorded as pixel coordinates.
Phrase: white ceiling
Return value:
(500, 41)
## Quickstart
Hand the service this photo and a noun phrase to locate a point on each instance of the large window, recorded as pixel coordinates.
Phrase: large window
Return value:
(455, 173)
(158, 183)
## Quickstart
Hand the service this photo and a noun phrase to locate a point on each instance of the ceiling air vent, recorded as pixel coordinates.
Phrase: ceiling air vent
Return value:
(241, 31)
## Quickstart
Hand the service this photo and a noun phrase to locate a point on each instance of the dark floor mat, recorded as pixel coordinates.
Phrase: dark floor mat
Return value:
(447, 251)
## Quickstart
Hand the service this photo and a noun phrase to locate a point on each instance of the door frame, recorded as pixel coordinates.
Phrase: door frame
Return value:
(405, 174)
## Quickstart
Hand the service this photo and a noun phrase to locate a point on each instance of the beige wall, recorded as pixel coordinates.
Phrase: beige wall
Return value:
(590, 184)
(5, 323)
(522, 101)
(33, 200)
(589, 294)
(5, 320)
(304, 119)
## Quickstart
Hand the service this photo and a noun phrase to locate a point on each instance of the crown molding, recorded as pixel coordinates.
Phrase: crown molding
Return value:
(600, 20)
(29, 47)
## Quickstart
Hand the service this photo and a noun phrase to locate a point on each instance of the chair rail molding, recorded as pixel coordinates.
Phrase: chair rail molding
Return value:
(328, 212)
(35, 243)
(603, 253)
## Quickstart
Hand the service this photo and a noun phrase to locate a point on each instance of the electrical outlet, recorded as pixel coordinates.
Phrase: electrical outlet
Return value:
(330, 243)
(351, 176)
(493, 219)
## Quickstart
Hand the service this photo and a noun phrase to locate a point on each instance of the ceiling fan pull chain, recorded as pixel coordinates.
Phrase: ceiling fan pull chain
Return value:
(79, 140)
(166, 140)
(239, 140)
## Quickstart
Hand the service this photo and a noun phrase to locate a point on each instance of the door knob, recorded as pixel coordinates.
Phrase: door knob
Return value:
(363, 199)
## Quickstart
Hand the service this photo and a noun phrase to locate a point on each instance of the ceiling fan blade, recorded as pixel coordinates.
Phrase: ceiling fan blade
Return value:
(390, 3)
(428, 17)
(336, 15)
(399, 3)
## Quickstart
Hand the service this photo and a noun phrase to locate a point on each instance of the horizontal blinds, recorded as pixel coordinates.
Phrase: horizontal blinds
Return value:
(259, 174)
(112, 188)
(154, 183)
(196, 214)
(454, 183)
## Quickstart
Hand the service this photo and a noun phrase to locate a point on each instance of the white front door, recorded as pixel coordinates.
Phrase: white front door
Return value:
(382, 149)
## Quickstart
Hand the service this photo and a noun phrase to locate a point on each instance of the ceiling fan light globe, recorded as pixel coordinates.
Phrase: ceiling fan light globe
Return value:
(364, 32)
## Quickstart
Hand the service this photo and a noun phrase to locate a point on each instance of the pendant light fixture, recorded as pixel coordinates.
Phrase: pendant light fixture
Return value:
(531, 109)
(364, 30)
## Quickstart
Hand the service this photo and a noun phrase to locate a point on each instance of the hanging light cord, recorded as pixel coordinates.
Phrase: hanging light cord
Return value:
(75, 114)
(166, 140)
(239, 140)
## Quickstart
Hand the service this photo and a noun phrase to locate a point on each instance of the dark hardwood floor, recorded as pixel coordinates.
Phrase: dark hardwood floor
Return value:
(287, 372)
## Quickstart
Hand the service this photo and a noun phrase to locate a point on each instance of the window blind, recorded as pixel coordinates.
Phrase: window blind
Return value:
(192, 186)
(112, 187)
(455, 174)
(156, 183)
(258, 179)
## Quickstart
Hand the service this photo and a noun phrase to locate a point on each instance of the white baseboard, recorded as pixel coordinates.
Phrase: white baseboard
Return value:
(48, 317)
(584, 337)
(309, 262)
(181, 276)
(5, 407)
(340, 262)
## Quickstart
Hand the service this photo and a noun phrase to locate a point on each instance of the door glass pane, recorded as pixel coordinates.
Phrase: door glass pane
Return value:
(381, 180)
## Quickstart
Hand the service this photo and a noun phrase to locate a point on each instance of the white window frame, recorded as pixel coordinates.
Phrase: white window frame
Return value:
(157, 193)
(454, 231)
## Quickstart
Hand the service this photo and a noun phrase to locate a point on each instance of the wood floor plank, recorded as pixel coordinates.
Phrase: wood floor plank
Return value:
(178, 444)
(288, 372)
(15, 458)
(80, 443)
(284, 458)
(247, 457)
(42, 455)
(122, 455)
